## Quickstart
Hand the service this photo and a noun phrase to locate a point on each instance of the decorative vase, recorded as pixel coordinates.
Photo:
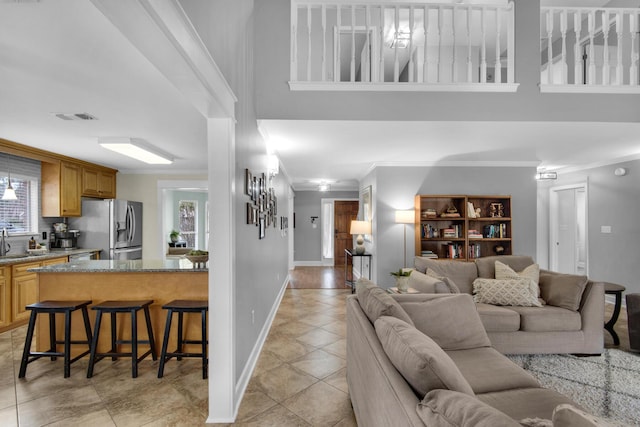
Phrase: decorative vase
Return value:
(402, 283)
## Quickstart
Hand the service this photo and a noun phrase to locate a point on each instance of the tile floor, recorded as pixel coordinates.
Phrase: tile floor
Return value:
(299, 379)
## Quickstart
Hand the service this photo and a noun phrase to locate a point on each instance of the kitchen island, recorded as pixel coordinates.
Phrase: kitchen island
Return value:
(102, 280)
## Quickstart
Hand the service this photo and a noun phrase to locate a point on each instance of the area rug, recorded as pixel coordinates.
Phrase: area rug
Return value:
(606, 385)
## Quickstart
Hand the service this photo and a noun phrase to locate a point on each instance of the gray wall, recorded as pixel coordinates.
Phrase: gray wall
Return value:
(307, 243)
(395, 188)
(226, 26)
(276, 101)
(613, 201)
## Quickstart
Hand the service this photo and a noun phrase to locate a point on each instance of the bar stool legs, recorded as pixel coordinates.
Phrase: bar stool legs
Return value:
(114, 307)
(51, 308)
(180, 307)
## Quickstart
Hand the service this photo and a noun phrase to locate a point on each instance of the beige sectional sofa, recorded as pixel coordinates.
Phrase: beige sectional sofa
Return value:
(425, 360)
(570, 319)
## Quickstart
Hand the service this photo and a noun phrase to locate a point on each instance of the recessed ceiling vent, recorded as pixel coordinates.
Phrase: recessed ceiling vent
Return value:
(75, 116)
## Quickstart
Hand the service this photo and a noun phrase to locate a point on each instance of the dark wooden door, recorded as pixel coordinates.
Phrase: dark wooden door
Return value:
(343, 213)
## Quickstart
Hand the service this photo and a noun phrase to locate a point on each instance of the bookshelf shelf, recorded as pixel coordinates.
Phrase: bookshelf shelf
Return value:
(453, 236)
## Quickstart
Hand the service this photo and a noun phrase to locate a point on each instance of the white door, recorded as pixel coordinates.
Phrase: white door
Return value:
(568, 227)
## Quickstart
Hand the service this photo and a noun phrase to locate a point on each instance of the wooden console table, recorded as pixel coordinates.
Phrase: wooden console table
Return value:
(349, 255)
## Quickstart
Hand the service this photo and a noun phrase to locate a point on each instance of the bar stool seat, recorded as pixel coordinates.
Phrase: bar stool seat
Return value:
(115, 307)
(52, 308)
(181, 307)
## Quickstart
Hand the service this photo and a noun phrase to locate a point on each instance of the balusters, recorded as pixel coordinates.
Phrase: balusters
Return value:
(577, 49)
(550, 46)
(411, 22)
(396, 61)
(425, 60)
(439, 32)
(619, 34)
(353, 43)
(337, 62)
(511, 45)
(606, 69)
(563, 34)
(498, 65)
(469, 55)
(454, 67)
(483, 46)
(366, 67)
(293, 66)
(381, 76)
(633, 68)
(323, 75)
(591, 27)
(308, 42)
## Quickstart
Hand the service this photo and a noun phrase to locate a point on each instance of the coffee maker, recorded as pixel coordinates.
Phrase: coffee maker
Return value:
(65, 239)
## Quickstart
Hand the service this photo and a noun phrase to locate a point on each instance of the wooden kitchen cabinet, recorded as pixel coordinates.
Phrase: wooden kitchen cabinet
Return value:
(61, 189)
(98, 183)
(24, 289)
(5, 299)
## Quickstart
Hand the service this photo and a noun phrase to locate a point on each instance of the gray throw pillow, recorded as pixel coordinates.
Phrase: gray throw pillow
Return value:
(422, 363)
(449, 284)
(424, 283)
(376, 302)
(562, 290)
(451, 321)
(446, 408)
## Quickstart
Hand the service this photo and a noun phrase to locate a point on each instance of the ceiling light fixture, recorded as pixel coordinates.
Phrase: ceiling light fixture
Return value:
(9, 192)
(543, 175)
(324, 186)
(137, 149)
(273, 165)
(401, 40)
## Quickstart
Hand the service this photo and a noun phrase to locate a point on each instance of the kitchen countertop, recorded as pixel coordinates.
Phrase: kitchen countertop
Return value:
(123, 266)
(11, 258)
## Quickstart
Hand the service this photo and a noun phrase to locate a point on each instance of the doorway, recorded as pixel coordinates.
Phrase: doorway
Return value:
(568, 227)
(344, 211)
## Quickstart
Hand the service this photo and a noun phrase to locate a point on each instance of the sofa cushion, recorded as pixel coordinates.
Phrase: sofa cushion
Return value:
(525, 402)
(498, 319)
(487, 370)
(449, 285)
(486, 265)
(548, 319)
(462, 273)
(376, 302)
(424, 283)
(562, 290)
(513, 292)
(450, 408)
(566, 415)
(451, 321)
(503, 271)
(422, 363)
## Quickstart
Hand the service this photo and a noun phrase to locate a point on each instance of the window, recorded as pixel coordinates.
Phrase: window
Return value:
(20, 216)
(188, 217)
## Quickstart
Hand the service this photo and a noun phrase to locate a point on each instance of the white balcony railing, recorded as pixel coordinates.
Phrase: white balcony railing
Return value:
(402, 46)
(586, 49)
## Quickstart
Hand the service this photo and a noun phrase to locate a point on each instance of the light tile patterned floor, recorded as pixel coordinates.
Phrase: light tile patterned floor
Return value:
(299, 379)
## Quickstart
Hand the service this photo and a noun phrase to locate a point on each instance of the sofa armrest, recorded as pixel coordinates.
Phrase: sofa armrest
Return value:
(592, 313)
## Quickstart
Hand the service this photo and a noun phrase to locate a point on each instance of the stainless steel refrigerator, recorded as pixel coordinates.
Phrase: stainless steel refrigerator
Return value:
(113, 225)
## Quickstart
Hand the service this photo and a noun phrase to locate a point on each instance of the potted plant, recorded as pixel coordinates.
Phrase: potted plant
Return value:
(402, 279)
(174, 236)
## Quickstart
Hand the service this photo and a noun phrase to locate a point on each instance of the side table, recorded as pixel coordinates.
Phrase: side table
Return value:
(349, 255)
(616, 290)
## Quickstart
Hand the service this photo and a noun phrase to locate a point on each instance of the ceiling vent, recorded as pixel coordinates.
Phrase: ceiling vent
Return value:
(75, 116)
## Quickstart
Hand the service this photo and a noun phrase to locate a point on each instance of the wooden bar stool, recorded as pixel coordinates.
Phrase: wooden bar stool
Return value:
(52, 308)
(115, 307)
(181, 307)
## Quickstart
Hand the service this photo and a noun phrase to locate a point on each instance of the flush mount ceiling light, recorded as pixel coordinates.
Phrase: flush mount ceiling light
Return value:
(401, 40)
(543, 175)
(324, 187)
(137, 149)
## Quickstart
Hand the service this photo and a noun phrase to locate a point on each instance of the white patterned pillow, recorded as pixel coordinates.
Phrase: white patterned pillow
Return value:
(521, 292)
(503, 271)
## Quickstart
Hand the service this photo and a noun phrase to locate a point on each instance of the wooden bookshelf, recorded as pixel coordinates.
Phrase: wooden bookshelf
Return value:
(448, 228)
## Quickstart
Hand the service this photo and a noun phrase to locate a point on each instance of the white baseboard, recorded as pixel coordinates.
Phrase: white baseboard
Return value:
(243, 381)
(313, 263)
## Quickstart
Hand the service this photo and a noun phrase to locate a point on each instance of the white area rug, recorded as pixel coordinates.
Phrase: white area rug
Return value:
(606, 385)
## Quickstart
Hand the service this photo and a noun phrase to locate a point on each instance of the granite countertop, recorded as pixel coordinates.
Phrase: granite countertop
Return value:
(123, 266)
(12, 259)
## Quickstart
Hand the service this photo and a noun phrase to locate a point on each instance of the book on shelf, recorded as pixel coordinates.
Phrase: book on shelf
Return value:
(474, 251)
(475, 234)
(454, 250)
(495, 231)
(428, 231)
(428, 254)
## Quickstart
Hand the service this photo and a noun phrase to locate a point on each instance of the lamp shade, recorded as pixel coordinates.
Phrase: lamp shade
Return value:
(360, 227)
(405, 217)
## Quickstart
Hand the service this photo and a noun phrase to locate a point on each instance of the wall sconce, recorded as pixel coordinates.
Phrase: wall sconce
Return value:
(273, 165)
(313, 222)
(620, 172)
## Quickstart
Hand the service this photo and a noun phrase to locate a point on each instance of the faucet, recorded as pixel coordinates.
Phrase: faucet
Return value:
(5, 247)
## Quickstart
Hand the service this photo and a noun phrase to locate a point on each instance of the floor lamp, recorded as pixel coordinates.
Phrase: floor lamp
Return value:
(405, 217)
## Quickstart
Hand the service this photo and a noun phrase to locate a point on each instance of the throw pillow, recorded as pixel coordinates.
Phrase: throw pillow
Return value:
(423, 283)
(453, 289)
(566, 415)
(503, 271)
(422, 363)
(562, 290)
(450, 408)
(520, 292)
(376, 302)
(452, 321)
(462, 273)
